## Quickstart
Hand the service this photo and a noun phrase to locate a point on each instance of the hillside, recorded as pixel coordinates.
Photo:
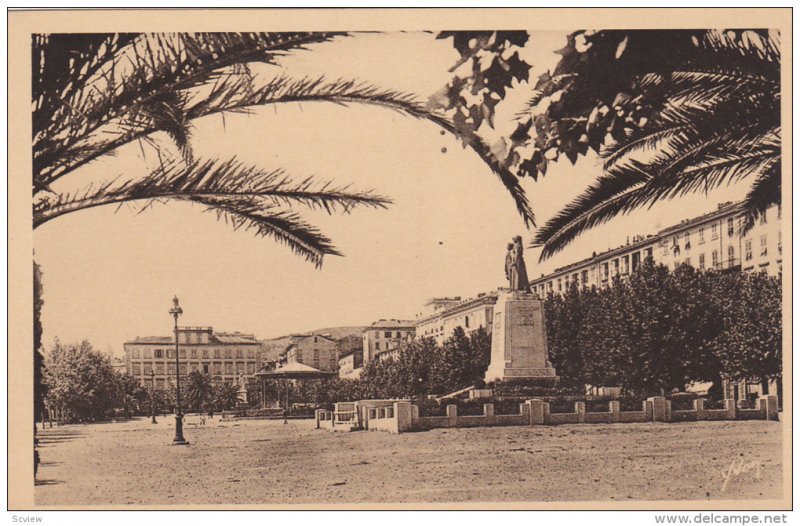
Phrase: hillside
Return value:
(273, 347)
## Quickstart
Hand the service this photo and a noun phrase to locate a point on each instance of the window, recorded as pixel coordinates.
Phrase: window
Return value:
(136, 369)
(688, 261)
(171, 368)
(228, 368)
(635, 260)
(316, 358)
(251, 353)
(239, 352)
(216, 354)
(702, 234)
(550, 285)
(731, 254)
(160, 383)
(686, 239)
(170, 353)
(159, 368)
(183, 368)
(193, 353)
(228, 353)
(251, 368)
(466, 321)
(762, 220)
(575, 278)
(616, 267)
(714, 259)
(748, 250)
(205, 353)
(299, 355)
(779, 211)
(239, 368)
(159, 353)
(585, 277)
(193, 367)
(217, 368)
(604, 271)
(763, 246)
(135, 353)
(701, 262)
(730, 227)
(648, 253)
(148, 368)
(780, 242)
(377, 346)
(387, 334)
(714, 231)
(183, 354)
(665, 246)
(205, 368)
(625, 264)
(147, 353)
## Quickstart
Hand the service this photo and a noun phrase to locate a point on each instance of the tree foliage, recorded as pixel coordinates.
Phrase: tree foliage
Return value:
(659, 331)
(93, 94)
(199, 391)
(80, 381)
(668, 111)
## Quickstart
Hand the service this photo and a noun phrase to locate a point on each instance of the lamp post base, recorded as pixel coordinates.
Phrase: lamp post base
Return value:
(179, 440)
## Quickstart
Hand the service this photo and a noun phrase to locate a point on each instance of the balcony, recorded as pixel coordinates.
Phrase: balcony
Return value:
(730, 264)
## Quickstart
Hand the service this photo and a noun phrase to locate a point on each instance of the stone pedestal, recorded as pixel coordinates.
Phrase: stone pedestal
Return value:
(519, 342)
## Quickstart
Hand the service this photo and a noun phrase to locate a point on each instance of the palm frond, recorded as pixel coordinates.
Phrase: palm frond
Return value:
(245, 195)
(230, 94)
(764, 192)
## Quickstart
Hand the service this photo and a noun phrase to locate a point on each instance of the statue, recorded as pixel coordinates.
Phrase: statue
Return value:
(509, 263)
(518, 273)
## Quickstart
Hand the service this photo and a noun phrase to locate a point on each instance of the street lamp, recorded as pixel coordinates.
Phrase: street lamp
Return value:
(152, 396)
(178, 440)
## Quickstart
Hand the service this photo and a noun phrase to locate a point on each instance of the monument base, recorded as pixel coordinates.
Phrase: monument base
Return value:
(519, 343)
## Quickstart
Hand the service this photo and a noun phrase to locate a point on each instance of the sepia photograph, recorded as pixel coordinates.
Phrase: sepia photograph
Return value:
(551, 248)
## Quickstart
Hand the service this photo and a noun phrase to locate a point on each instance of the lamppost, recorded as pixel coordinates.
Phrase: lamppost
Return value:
(178, 440)
(152, 396)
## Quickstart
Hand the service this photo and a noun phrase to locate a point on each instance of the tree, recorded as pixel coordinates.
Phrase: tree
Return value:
(39, 387)
(93, 94)
(81, 384)
(199, 391)
(750, 345)
(226, 395)
(670, 112)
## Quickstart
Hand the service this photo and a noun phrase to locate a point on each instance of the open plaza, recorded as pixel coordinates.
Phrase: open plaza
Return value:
(267, 462)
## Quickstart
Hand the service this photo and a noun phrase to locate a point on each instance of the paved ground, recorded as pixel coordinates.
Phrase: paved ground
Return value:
(264, 461)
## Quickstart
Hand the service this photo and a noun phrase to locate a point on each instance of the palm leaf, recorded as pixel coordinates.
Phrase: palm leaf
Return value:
(245, 196)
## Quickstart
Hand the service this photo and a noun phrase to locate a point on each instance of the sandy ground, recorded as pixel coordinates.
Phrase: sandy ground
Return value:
(265, 461)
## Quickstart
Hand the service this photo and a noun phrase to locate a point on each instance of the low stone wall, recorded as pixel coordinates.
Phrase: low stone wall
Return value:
(402, 416)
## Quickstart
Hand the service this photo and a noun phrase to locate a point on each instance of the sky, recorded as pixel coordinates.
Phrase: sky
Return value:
(109, 275)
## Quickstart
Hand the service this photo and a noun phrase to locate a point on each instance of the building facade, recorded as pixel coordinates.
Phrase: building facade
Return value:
(349, 349)
(443, 315)
(385, 335)
(711, 241)
(224, 356)
(315, 350)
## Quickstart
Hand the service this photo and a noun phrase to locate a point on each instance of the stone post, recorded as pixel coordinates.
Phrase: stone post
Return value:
(488, 410)
(536, 411)
(452, 415)
(730, 407)
(700, 408)
(659, 408)
(613, 408)
(318, 417)
(769, 406)
(403, 414)
(525, 411)
(580, 408)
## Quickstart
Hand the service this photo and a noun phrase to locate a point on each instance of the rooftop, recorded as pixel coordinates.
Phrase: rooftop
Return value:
(392, 324)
